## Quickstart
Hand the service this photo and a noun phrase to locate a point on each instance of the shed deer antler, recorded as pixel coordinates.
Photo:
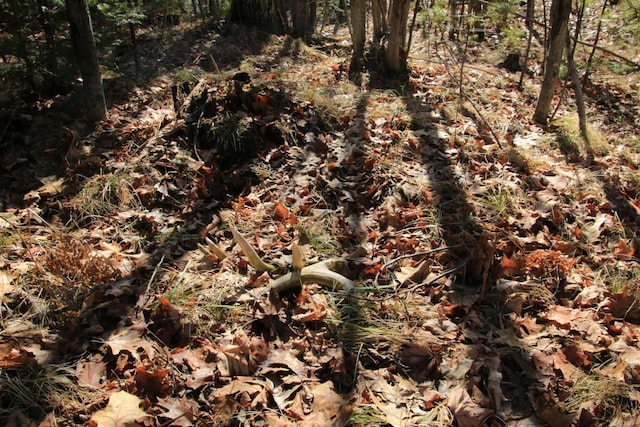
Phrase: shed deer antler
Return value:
(321, 273)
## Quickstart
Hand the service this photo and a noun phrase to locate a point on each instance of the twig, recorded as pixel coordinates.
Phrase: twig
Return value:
(415, 254)
(215, 64)
(585, 77)
(408, 290)
(438, 277)
(145, 296)
(475, 108)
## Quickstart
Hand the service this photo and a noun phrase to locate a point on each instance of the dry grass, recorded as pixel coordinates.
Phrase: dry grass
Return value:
(615, 396)
(37, 392)
(104, 194)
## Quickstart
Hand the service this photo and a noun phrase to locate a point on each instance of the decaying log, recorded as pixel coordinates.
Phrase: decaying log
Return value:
(195, 101)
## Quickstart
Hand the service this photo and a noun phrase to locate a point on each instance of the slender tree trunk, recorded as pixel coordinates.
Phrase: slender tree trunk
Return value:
(51, 59)
(303, 14)
(396, 54)
(577, 89)
(585, 77)
(18, 23)
(560, 10)
(529, 25)
(358, 19)
(454, 20)
(134, 40)
(84, 47)
(379, 14)
(477, 11)
(416, 9)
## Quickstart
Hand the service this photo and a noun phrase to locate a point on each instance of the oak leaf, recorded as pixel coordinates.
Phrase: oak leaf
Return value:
(123, 410)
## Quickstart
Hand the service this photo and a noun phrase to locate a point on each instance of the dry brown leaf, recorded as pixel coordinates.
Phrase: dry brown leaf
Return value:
(91, 372)
(152, 383)
(6, 278)
(180, 411)
(466, 411)
(130, 340)
(280, 213)
(123, 410)
(12, 357)
(327, 408)
(510, 266)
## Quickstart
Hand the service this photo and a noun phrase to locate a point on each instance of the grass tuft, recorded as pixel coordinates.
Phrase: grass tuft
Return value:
(41, 390)
(615, 396)
(104, 194)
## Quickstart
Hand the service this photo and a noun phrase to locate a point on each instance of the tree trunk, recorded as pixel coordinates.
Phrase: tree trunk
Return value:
(396, 54)
(303, 14)
(560, 10)
(51, 60)
(477, 10)
(379, 13)
(84, 47)
(268, 15)
(18, 23)
(134, 40)
(454, 20)
(358, 19)
(577, 88)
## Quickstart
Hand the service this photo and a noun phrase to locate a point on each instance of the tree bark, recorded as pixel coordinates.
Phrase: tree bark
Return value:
(303, 15)
(51, 60)
(84, 47)
(268, 15)
(134, 40)
(17, 24)
(396, 54)
(379, 14)
(560, 10)
(358, 19)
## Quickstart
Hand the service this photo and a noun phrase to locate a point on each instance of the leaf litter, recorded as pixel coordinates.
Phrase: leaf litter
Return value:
(489, 287)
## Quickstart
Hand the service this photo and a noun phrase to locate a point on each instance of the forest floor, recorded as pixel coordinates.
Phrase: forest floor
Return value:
(495, 263)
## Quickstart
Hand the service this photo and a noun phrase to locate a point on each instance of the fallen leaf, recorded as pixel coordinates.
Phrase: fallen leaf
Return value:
(11, 357)
(6, 287)
(467, 413)
(91, 372)
(152, 383)
(280, 213)
(510, 266)
(123, 410)
(130, 340)
(181, 412)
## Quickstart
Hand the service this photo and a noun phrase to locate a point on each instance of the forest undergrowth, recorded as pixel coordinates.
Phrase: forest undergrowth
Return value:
(494, 264)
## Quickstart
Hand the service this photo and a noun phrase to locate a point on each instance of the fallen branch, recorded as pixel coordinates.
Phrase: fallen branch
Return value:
(321, 273)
